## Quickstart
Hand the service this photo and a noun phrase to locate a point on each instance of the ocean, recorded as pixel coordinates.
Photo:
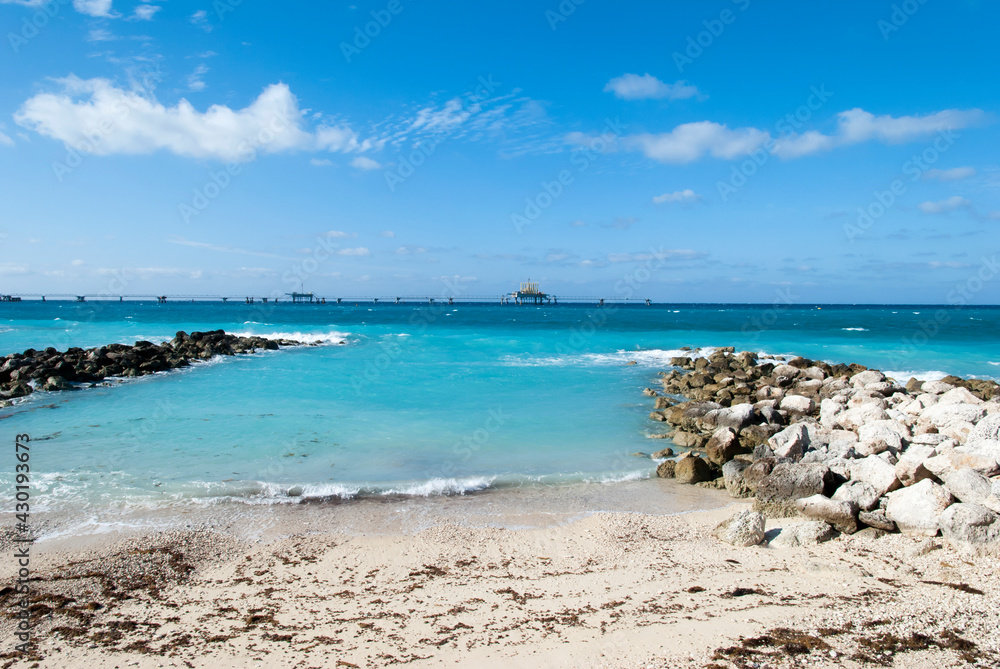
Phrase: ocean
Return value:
(413, 400)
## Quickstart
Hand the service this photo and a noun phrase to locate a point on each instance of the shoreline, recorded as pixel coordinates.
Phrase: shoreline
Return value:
(606, 590)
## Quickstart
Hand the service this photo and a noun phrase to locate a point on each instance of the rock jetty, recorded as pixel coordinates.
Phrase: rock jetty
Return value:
(839, 444)
(51, 370)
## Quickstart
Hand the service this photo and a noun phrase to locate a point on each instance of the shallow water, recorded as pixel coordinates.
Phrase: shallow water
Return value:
(419, 399)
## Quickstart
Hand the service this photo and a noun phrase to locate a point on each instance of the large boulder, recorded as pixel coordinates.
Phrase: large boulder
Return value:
(797, 404)
(918, 508)
(791, 442)
(970, 524)
(787, 482)
(757, 472)
(665, 470)
(684, 439)
(878, 519)
(723, 446)
(876, 472)
(947, 462)
(861, 379)
(942, 415)
(862, 494)
(733, 476)
(829, 411)
(855, 417)
(692, 469)
(735, 417)
(877, 437)
(746, 528)
(755, 435)
(968, 486)
(842, 515)
(987, 428)
(910, 466)
(803, 534)
(959, 396)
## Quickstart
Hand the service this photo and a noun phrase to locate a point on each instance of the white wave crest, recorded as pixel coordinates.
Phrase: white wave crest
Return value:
(904, 376)
(855, 329)
(329, 338)
(440, 486)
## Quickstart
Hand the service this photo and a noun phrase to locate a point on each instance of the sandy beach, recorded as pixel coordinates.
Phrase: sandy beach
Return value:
(451, 582)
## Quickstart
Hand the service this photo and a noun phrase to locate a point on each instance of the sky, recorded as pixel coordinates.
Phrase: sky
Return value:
(719, 151)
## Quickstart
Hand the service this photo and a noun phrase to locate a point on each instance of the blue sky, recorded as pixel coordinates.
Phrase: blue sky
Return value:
(732, 150)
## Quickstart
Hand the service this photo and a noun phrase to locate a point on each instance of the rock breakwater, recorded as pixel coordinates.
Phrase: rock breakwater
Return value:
(51, 370)
(838, 444)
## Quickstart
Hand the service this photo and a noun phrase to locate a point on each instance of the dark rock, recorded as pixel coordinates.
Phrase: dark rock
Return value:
(693, 469)
(723, 446)
(733, 475)
(663, 453)
(877, 519)
(787, 482)
(665, 470)
(753, 436)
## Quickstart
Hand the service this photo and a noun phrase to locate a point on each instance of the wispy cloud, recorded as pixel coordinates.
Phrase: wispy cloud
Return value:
(954, 174)
(681, 196)
(145, 12)
(200, 19)
(365, 163)
(195, 81)
(340, 234)
(944, 206)
(648, 87)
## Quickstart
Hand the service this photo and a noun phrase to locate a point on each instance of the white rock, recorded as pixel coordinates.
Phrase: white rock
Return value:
(853, 419)
(814, 373)
(876, 472)
(936, 387)
(785, 370)
(993, 501)
(918, 508)
(928, 399)
(861, 397)
(879, 436)
(959, 396)
(987, 428)
(859, 493)
(860, 379)
(883, 388)
(945, 463)
(927, 439)
(910, 467)
(941, 415)
(828, 412)
(791, 442)
(843, 515)
(746, 528)
(970, 524)
(987, 447)
(959, 430)
(797, 404)
(803, 534)
(968, 486)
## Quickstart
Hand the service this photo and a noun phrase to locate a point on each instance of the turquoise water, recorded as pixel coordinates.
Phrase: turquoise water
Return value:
(418, 399)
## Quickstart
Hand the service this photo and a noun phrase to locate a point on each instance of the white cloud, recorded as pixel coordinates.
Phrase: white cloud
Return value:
(195, 81)
(365, 163)
(954, 174)
(100, 35)
(360, 251)
(320, 162)
(5, 140)
(690, 141)
(140, 124)
(662, 254)
(340, 234)
(645, 87)
(200, 19)
(410, 250)
(944, 206)
(682, 196)
(145, 12)
(93, 7)
(389, 234)
(857, 125)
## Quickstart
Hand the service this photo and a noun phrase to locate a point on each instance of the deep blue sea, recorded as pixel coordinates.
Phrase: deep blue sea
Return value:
(413, 399)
